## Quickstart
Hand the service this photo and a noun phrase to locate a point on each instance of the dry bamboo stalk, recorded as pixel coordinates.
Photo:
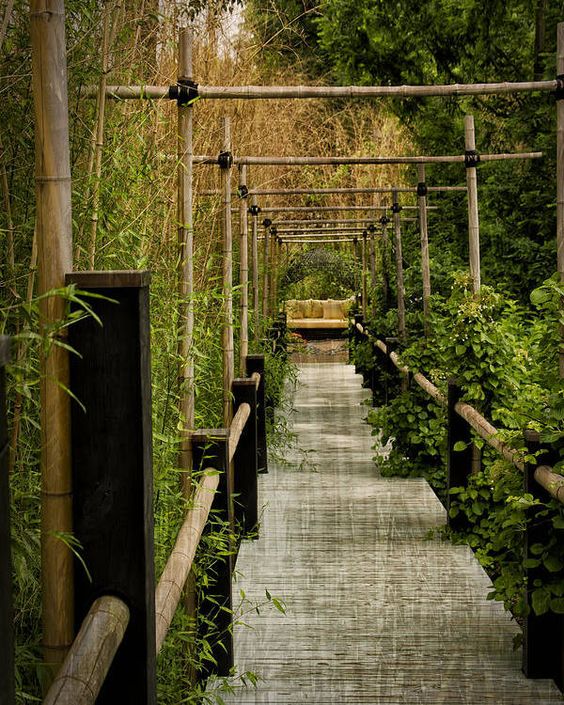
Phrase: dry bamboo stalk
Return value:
(255, 277)
(552, 483)
(54, 244)
(174, 576)
(99, 135)
(300, 92)
(364, 277)
(560, 180)
(321, 161)
(425, 265)
(236, 429)
(244, 273)
(11, 260)
(266, 265)
(399, 270)
(473, 216)
(228, 348)
(185, 267)
(87, 664)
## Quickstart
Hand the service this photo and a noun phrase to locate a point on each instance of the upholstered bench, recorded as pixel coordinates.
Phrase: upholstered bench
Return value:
(313, 314)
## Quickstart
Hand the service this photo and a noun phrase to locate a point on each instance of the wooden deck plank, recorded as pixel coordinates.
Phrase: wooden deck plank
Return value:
(376, 611)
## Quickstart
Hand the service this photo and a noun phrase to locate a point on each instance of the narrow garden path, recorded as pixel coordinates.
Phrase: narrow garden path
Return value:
(377, 610)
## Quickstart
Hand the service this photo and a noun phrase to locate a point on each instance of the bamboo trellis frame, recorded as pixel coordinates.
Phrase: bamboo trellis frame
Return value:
(336, 191)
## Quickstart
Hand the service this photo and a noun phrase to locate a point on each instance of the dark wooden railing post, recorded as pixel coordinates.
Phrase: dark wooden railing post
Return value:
(7, 690)
(255, 363)
(211, 450)
(112, 470)
(245, 460)
(543, 635)
(459, 462)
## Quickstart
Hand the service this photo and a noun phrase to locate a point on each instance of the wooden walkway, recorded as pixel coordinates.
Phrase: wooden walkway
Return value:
(376, 611)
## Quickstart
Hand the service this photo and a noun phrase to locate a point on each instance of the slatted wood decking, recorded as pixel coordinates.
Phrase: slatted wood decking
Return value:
(376, 611)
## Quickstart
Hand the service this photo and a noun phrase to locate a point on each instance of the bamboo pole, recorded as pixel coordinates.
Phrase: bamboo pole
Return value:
(54, 241)
(337, 161)
(322, 221)
(425, 266)
(364, 277)
(473, 216)
(266, 265)
(228, 351)
(399, 269)
(186, 266)
(273, 276)
(384, 247)
(321, 209)
(301, 92)
(244, 271)
(318, 240)
(335, 191)
(560, 180)
(254, 257)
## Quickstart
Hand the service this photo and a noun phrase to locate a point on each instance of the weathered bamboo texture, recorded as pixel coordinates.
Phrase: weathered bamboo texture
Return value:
(343, 190)
(284, 92)
(265, 277)
(300, 241)
(254, 258)
(399, 270)
(177, 568)
(473, 216)
(243, 272)
(85, 668)
(185, 266)
(236, 429)
(54, 242)
(560, 180)
(327, 161)
(99, 135)
(425, 265)
(228, 347)
(552, 483)
(364, 277)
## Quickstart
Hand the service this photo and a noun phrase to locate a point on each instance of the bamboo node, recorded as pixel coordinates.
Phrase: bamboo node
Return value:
(471, 158)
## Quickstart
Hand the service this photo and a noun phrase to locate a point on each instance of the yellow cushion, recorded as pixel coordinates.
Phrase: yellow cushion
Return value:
(332, 309)
(293, 308)
(316, 309)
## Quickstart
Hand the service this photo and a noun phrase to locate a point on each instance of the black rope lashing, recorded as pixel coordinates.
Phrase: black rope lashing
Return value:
(184, 92)
(371, 228)
(422, 189)
(274, 230)
(243, 191)
(471, 158)
(559, 92)
(384, 220)
(254, 209)
(225, 160)
(267, 222)
(396, 208)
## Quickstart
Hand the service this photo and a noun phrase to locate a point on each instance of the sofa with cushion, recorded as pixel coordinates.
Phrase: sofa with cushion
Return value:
(313, 314)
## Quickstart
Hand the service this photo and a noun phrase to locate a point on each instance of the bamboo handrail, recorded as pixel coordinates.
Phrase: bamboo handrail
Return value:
(319, 161)
(286, 92)
(174, 576)
(472, 416)
(550, 481)
(335, 191)
(86, 665)
(237, 426)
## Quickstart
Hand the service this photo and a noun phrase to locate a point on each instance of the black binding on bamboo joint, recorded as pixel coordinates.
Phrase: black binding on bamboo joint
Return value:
(371, 228)
(274, 230)
(471, 158)
(421, 189)
(254, 209)
(559, 92)
(243, 191)
(184, 92)
(384, 220)
(225, 160)
(396, 208)
(267, 222)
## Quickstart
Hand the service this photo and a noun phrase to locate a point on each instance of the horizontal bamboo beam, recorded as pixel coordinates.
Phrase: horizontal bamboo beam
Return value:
(321, 209)
(236, 429)
(86, 665)
(335, 191)
(301, 92)
(552, 483)
(322, 161)
(174, 576)
(317, 240)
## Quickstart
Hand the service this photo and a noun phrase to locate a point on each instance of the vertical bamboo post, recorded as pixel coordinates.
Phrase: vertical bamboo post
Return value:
(186, 262)
(396, 208)
(355, 267)
(425, 266)
(254, 258)
(372, 258)
(364, 276)
(54, 241)
(560, 177)
(274, 275)
(471, 159)
(384, 252)
(266, 266)
(243, 269)
(226, 164)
